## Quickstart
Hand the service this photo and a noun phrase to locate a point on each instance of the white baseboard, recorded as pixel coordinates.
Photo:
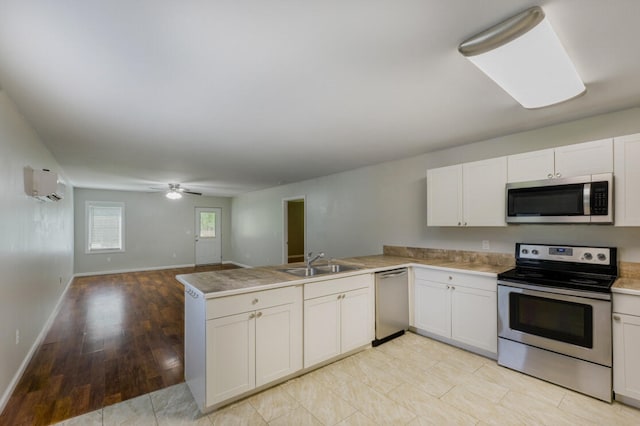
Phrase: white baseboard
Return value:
(34, 347)
(124, 271)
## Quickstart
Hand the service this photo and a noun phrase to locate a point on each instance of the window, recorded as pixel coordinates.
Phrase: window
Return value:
(105, 226)
(208, 224)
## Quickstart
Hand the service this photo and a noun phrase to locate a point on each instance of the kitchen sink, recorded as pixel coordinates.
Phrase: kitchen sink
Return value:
(335, 268)
(302, 272)
(319, 270)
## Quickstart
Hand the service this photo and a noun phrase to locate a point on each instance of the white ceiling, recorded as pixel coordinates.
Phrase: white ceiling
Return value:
(229, 96)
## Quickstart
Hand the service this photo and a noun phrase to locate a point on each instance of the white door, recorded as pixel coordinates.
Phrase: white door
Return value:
(433, 307)
(588, 158)
(321, 329)
(627, 196)
(444, 196)
(483, 185)
(626, 352)
(231, 357)
(473, 317)
(276, 339)
(534, 165)
(355, 319)
(208, 245)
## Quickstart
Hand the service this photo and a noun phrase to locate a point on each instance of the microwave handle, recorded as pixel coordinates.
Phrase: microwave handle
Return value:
(586, 199)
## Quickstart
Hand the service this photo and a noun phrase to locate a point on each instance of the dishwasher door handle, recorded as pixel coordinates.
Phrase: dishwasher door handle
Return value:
(384, 275)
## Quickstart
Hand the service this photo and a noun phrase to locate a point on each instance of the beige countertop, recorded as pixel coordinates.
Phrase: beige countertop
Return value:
(627, 286)
(236, 281)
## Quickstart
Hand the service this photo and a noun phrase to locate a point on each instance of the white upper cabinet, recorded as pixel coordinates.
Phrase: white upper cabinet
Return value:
(470, 194)
(483, 188)
(535, 165)
(444, 196)
(588, 158)
(627, 180)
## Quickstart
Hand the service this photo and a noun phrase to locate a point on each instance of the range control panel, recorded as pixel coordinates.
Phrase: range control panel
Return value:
(590, 255)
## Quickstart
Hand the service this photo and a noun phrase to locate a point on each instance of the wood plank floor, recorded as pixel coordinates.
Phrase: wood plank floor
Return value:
(116, 337)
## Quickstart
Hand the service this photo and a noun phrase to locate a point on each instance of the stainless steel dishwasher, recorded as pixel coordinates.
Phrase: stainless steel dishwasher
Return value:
(392, 304)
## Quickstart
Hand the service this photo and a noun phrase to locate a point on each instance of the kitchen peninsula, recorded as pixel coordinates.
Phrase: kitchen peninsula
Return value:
(248, 329)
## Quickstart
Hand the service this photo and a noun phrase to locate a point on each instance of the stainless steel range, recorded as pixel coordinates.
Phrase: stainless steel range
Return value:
(554, 315)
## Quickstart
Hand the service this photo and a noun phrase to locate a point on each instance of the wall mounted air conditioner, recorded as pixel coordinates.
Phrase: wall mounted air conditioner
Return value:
(43, 184)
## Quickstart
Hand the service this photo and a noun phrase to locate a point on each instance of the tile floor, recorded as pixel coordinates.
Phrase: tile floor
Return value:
(411, 380)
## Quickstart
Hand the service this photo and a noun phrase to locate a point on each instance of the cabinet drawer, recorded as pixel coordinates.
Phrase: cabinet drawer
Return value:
(480, 282)
(338, 285)
(626, 304)
(230, 305)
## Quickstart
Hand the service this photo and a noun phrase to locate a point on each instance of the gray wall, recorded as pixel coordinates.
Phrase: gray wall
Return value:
(158, 232)
(357, 212)
(36, 245)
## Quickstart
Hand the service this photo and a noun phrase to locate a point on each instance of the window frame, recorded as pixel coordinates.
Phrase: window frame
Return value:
(87, 243)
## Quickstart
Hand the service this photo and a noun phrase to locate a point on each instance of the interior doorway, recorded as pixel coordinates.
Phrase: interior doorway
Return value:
(207, 236)
(294, 241)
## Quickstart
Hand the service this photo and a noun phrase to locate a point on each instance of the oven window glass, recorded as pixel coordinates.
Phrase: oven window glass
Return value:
(561, 200)
(555, 319)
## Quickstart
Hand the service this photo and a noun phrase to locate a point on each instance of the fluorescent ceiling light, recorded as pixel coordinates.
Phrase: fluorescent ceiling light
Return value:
(173, 195)
(524, 56)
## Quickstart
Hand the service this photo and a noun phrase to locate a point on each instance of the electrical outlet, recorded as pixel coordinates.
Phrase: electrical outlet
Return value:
(17, 336)
(486, 245)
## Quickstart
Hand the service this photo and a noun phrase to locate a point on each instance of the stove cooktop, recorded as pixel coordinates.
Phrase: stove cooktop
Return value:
(559, 279)
(571, 267)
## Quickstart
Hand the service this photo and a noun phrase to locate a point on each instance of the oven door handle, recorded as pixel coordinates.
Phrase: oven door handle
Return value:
(556, 290)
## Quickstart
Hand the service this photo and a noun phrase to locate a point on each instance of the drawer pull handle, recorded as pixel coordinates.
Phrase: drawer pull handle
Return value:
(616, 317)
(259, 314)
(453, 287)
(450, 277)
(252, 316)
(254, 301)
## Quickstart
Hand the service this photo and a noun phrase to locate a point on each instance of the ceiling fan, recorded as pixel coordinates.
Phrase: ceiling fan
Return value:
(175, 191)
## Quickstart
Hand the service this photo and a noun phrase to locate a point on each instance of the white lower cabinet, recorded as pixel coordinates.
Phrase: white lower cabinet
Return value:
(338, 317)
(247, 341)
(626, 348)
(457, 307)
(236, 344)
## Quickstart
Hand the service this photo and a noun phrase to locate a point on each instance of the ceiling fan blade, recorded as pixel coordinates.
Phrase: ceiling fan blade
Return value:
(191, 192)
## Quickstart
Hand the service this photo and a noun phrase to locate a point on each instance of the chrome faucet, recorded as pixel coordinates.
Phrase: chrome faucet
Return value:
(311, 258)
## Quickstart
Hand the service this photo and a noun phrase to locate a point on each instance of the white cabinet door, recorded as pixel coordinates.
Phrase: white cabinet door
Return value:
(483, 184)
(432, 307)
(355, 319)
(535, 165)
(230, 356)
(627, 180)
(474, 317)
(626, 355)
(278, 343)
(321, 329)
(589, 158)
(444, 196)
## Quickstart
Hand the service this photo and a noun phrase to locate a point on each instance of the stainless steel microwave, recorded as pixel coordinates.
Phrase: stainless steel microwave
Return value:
(581, 199)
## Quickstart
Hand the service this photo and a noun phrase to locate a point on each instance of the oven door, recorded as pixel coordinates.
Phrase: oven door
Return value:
(571, 325)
